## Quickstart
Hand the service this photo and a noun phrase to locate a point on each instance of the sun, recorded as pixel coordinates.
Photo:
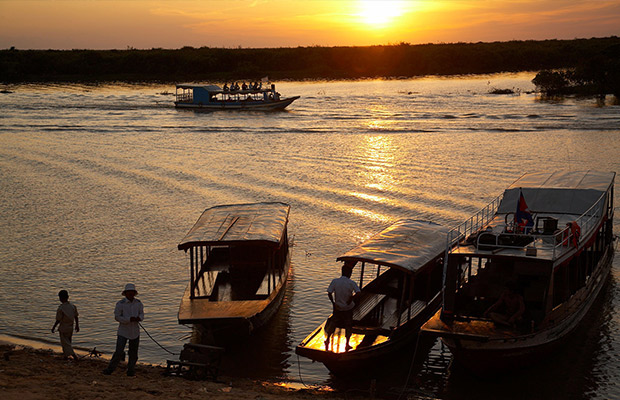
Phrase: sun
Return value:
(379, 12)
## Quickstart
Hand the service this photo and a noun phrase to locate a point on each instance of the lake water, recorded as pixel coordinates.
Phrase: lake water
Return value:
(98, 184)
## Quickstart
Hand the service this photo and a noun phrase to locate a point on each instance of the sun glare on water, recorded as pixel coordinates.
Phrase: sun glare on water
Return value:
(378, 13)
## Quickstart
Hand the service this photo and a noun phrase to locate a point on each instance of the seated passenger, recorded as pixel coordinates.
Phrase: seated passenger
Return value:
(509, 308)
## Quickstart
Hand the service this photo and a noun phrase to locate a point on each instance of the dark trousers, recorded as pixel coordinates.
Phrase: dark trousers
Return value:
(121, 341)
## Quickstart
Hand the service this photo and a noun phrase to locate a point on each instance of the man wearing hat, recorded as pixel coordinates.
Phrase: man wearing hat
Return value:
(128, 312)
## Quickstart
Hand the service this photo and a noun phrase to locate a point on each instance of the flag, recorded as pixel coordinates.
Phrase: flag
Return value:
(523, 216)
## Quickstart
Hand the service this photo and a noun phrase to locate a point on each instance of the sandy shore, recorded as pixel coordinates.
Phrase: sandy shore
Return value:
(27, 373)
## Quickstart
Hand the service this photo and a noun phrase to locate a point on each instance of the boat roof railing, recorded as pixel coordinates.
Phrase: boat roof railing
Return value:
(546, 193)
(239, 224)
(407, 245)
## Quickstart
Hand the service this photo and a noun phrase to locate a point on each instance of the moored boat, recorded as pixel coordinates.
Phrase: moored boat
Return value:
(521, 274)
(239, 263)
(403, 267)
(213, 97)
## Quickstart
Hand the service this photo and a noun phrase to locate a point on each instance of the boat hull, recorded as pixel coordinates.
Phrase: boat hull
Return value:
(372, 358)
(249, 105)
(226, 330)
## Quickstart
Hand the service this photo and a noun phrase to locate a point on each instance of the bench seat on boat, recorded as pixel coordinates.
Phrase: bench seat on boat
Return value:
(365, 304)
(392, 320)
(206, 283)
(267, 285)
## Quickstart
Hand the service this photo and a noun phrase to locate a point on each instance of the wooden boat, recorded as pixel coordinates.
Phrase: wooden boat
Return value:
(239, 263)
(558, 262)
(213, 97)
(403, 266)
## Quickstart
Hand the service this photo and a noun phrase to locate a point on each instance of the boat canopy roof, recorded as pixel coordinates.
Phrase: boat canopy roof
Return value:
(258, 223)
(208, 88)
(560, 192)
(407, 245)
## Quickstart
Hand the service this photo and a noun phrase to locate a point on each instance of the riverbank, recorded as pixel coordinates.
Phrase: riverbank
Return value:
(27, 373)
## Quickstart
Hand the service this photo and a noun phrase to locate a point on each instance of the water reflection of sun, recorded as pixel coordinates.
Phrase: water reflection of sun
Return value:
(376, 175)
(379, 158)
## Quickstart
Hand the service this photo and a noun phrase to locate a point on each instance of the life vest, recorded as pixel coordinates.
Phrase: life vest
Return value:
(575, 233)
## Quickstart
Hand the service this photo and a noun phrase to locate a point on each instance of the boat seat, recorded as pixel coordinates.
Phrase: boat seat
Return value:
(206, 283)
(267, 284)
(392, 320)
(366, 303)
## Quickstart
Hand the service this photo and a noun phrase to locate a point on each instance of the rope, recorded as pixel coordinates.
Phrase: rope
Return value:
(156, 342)
(299, 369)
(415, 352)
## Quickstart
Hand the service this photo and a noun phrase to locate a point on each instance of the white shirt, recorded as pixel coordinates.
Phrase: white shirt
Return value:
(343, 288)
(123, 311)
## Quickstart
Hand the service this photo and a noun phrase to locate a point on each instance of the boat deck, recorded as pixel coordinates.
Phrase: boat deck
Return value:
(545, 245)
(338, 340)
(197, 310)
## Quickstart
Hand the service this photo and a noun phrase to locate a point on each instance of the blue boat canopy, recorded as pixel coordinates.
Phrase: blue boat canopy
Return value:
(208, 88)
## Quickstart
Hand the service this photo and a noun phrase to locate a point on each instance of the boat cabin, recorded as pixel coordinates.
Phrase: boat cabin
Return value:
(237, 253)
(189, 93)
(551, 255)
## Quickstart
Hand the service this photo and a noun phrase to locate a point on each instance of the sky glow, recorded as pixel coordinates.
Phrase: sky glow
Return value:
(111, 24)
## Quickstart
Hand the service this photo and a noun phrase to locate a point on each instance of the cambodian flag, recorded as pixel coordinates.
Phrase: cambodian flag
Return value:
(523, 216)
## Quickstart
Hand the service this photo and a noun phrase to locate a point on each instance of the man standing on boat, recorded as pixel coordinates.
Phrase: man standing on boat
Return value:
(128, 312)
(344, 290)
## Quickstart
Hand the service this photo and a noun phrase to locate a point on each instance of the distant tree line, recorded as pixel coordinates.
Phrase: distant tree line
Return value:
(225, 64)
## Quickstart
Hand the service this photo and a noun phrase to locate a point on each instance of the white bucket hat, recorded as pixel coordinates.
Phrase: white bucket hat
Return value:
(129, 286)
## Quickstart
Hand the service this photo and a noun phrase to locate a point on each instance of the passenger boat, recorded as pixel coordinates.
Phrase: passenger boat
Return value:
(550, 237)
(403, 266)
(239, 263)
(213, 97)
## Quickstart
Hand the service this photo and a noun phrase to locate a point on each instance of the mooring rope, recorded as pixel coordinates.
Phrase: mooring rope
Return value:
(299, 369)
(415, 352)
(156, 342)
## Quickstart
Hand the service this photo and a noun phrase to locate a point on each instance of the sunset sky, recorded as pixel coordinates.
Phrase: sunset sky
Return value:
(99, 24)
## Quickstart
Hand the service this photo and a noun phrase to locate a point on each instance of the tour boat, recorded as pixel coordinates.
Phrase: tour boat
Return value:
(213, 97)
(239, 263)
(403, 265)
(550, 237)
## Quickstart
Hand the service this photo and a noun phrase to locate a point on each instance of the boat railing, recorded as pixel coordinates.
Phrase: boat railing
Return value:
(479, 220)
(556, 242)
(585, 223)
(185, 97)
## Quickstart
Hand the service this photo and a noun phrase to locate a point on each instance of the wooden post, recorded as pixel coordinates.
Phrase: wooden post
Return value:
(362, 275)
(198, 273)
(402, 298)
(192, 284)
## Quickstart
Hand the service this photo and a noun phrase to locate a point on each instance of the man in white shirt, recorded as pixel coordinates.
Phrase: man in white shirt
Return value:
(128, 312)
(344, 290)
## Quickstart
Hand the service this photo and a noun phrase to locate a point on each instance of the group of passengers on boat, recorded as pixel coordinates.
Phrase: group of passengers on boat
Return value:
(244, 86)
